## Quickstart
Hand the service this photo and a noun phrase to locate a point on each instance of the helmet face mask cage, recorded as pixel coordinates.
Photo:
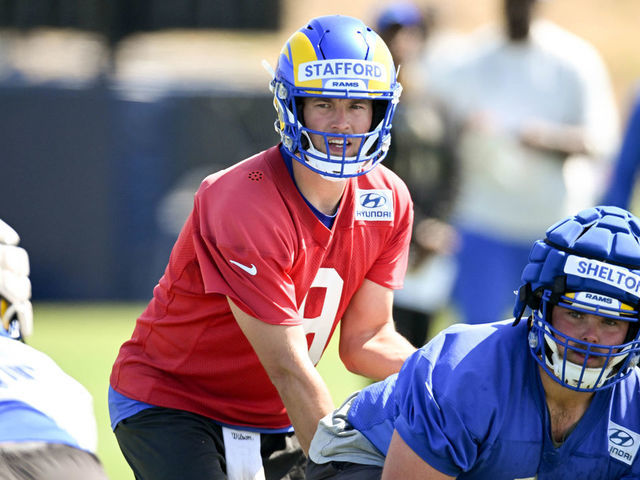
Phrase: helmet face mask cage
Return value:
(335, 42)
(551, 348)
(588, 263)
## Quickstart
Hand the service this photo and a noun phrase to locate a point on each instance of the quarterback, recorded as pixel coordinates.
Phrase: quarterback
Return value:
(552, 397)
(218, 378)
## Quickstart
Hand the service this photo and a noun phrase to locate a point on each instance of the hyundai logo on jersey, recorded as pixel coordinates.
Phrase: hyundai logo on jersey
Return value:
(372, 200)
(620, 438)
(613, 275)
(374, 205)
(623, 443)
(345, 69)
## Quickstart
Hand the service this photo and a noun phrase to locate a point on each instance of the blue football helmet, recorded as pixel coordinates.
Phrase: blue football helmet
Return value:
(589, 263)
(335, 56)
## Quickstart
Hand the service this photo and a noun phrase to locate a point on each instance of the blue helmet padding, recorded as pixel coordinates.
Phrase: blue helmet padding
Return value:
(607, 234)
(596, 251)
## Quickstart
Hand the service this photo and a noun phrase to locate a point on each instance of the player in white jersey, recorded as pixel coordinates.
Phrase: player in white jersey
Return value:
(47, 426)
(552, 397)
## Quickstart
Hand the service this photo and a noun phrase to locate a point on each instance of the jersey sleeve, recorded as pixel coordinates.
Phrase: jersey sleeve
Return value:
(429, 423)
(31, 382)
(245, 255)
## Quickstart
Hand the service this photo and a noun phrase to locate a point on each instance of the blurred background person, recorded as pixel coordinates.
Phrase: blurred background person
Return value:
(620, 188)
(538, 123)
(47, 427)
(423, 154)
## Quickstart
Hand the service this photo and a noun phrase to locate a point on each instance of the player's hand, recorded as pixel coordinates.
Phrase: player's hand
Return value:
(16, 311)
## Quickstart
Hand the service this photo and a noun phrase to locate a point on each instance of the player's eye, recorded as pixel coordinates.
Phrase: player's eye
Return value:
(610, 322)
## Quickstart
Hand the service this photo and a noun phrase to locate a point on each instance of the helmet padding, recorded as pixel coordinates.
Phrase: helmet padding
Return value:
(590, 263)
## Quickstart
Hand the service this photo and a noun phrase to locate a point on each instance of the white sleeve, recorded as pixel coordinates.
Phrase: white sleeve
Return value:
(31, 377)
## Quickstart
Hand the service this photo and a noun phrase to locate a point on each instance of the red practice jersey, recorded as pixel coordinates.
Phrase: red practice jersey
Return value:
(251, 237)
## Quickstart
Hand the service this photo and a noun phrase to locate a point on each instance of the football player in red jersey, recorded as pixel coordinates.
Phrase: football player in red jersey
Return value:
(220, 370)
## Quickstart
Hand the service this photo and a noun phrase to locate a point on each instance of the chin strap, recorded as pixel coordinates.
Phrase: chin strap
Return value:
(524, 299)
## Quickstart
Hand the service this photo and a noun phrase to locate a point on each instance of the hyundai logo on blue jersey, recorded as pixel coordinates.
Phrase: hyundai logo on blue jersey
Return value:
(623, 443)
(620, 437)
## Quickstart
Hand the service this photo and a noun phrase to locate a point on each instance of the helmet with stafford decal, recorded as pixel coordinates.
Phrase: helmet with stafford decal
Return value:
(588, 263)
(335, 56)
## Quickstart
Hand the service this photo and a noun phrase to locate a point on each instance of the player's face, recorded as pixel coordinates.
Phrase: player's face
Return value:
(337, 115)
(588, 328)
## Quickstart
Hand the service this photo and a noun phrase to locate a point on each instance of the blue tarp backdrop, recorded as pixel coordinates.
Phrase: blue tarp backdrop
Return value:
(88, 177)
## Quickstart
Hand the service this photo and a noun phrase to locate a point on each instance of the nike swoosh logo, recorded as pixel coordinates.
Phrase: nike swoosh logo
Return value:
(252, 270)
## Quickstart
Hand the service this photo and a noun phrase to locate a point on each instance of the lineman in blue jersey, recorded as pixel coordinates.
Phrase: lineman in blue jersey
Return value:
(47, 426)
(554, 397)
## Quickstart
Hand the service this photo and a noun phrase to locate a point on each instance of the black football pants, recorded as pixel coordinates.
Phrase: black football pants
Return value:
(162, 443)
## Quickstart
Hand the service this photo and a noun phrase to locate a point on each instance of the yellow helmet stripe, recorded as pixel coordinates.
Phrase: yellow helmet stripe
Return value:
(382, 55)
(302, 51)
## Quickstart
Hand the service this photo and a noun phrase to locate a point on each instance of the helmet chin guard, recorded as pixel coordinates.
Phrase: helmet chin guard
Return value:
(550, 347)
(589, 263)
(335, 56)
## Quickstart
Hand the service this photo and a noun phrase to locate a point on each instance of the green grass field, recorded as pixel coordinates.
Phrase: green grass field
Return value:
(84, 340)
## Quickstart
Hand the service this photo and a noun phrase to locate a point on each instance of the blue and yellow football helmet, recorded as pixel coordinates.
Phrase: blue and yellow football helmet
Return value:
(588, 263)
(340, 57)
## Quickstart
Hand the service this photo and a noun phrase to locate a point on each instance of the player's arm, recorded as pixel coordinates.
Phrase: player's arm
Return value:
(282, 350)
(555, 137)
(402, 462)
(369, 342)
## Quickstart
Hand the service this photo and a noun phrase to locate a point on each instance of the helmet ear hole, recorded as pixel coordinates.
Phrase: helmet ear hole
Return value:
(298, 103)
(632, 332)
(379, 112)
